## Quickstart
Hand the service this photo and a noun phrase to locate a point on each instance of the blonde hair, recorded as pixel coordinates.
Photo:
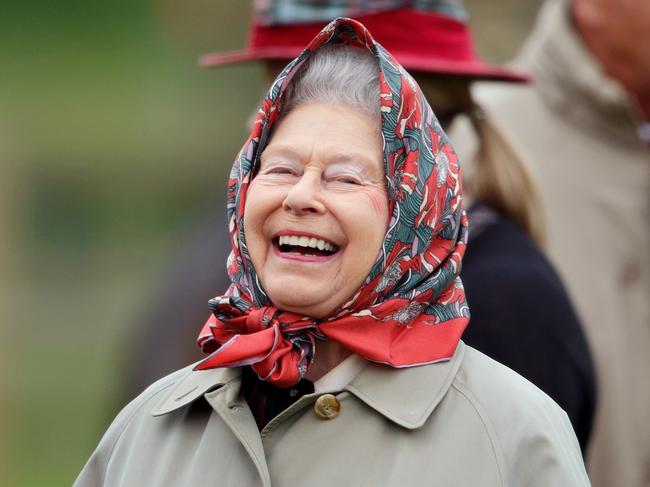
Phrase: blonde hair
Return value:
(348, 75)
(498, 174)
(502, 179)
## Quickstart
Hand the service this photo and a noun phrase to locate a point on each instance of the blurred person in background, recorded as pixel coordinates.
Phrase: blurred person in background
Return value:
(521, 315)
(335, 354)
(585, 128)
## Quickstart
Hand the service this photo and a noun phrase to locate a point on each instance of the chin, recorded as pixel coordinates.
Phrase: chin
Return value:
(309, 304)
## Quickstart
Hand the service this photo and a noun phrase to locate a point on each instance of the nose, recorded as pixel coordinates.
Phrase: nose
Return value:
(304, 197)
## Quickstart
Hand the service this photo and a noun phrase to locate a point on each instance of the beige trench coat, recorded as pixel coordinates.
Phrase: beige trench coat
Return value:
(579, 131)
(466, 422)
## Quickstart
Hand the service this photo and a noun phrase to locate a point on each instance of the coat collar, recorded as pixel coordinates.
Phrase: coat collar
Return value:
(193, 384)
(409, 395)
(406, 396)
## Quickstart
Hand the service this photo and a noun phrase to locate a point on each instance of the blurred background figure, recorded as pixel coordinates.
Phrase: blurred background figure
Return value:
(585, 127)
(521, 315)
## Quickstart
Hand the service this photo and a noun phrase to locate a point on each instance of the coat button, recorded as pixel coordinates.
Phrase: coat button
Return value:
(327, 407)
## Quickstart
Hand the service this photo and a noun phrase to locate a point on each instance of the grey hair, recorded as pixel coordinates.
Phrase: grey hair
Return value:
(338, 74)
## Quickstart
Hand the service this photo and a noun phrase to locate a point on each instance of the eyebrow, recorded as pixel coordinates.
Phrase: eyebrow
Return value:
(280, 150)
(366, 166)
(351, 157)
(344, 157)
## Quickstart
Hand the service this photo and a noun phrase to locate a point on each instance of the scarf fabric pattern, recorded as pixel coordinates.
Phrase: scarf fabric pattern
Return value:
(411, 309)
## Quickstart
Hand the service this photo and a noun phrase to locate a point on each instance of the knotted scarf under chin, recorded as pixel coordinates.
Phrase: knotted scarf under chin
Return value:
(280, 346)
(262, 338)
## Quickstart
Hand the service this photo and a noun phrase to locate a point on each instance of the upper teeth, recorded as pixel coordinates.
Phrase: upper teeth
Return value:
(306, 242)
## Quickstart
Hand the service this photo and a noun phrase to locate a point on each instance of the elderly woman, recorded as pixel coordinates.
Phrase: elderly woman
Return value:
(336, 352)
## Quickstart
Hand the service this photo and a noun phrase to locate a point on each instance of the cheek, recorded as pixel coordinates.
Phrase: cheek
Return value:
(368, 217)
(376, 213)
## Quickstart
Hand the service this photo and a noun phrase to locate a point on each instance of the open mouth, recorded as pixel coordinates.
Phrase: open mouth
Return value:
(300, 245)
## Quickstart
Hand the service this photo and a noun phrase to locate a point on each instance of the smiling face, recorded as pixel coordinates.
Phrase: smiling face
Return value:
(317, 210)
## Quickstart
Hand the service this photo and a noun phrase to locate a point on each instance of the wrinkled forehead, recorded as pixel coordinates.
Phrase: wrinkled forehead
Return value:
(331, 136)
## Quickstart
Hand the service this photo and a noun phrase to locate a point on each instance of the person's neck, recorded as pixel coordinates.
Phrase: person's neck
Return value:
(329, 354)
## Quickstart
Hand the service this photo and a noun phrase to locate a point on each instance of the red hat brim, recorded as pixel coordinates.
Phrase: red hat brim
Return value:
(434, 44)
(475, 70)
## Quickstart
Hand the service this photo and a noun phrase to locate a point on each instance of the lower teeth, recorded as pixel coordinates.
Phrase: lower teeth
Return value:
(291, 250)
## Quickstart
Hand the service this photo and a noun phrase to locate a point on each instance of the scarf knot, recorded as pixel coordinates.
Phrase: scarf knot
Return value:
(259, 319)
(278, 346)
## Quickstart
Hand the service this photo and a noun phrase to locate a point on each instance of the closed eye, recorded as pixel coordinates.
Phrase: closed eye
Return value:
(281, 170)
(346, 173)
(348, 180)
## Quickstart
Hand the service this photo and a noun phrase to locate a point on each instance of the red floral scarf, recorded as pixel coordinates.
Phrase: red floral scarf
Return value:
(411, 309)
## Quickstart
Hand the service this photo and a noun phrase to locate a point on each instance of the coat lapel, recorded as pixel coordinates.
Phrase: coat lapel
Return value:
(406, 396)
(192, 385)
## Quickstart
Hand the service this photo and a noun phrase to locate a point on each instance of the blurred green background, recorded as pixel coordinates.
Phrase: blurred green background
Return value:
(112, 144)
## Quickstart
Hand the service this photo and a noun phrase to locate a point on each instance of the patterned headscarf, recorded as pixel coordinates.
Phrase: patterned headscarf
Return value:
(411, 309)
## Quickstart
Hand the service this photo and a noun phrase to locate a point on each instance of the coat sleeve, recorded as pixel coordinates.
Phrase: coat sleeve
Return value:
(523, 318)
(531, 437)
(548, 453)
(93, 473)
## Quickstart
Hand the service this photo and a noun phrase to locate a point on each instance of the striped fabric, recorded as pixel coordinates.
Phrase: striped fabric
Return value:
(284, 12)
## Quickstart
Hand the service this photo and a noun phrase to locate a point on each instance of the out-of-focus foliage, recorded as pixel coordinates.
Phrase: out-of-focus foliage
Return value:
(111, 139)
(112, 142)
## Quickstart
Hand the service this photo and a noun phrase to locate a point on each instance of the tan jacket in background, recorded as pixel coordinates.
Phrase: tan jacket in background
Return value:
(466, 422)
(579, 131)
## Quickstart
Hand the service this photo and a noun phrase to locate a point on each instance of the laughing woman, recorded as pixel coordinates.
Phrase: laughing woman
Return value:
(335, 355)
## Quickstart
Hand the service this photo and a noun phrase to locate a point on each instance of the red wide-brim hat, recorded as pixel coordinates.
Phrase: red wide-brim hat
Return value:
(419, 40)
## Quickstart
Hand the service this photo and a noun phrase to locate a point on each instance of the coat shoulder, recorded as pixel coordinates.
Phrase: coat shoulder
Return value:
(498, 390)
(531, 435)
(94, 471)
(145, 401)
